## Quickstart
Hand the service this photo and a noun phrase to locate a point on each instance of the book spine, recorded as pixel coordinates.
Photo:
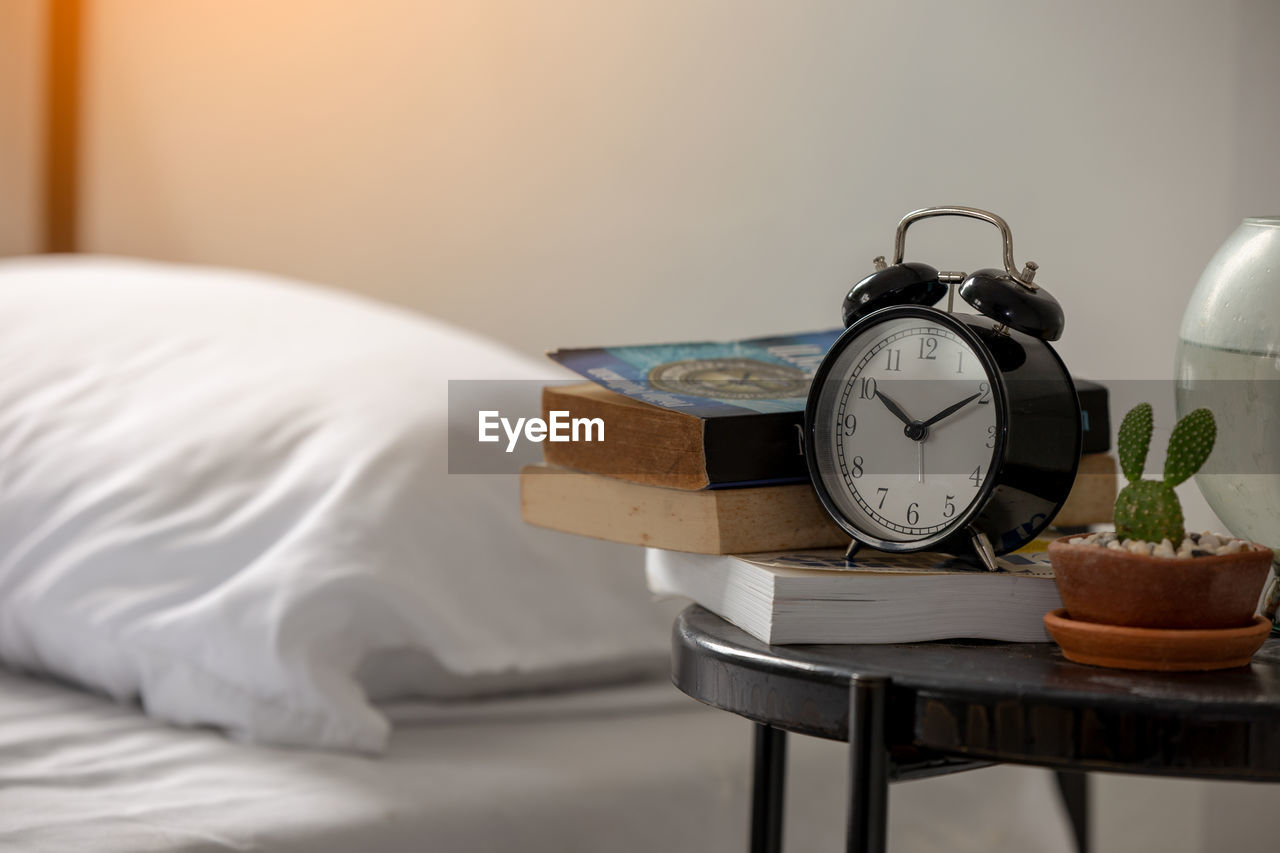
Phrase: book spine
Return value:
(1095, 414)
(754, 449)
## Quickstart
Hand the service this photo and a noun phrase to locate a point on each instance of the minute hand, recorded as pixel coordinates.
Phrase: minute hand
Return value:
(950, 410)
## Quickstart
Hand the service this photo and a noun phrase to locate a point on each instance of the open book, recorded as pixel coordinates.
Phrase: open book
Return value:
(818, 597)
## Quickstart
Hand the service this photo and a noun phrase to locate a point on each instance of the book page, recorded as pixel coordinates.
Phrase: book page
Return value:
(1026, 562)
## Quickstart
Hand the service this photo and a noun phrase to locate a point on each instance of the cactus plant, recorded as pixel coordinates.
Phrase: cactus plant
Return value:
(1149, 510)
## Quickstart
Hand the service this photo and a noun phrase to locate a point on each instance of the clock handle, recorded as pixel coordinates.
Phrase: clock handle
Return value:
(982, 547)
(1022, 277)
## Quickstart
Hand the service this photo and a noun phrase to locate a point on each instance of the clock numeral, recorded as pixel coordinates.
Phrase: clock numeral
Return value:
(985, 390)
(868, 388)
(960, 362)
(949, 508)
(913, 514)
(928, 346)
(857, 467)
(991, 436)
(851, 425)
(884, 493)
(976, 476)
(893, 359)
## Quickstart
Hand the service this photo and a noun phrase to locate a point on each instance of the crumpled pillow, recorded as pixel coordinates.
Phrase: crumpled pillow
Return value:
(227, 495)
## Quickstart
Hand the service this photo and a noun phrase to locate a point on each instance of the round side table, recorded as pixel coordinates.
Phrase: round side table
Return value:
(920, 709)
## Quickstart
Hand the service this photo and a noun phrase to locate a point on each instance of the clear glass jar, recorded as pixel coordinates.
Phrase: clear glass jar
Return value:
(1229, 360)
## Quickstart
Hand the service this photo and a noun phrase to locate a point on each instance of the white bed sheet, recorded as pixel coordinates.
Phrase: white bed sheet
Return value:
(638, 768)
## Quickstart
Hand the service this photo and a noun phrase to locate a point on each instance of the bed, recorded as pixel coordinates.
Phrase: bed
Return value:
(80, 773)
(623, 769)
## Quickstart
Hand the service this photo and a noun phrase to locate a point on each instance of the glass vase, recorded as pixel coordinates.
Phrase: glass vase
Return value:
(1229, 360)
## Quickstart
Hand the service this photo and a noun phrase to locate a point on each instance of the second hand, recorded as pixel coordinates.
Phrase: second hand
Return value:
(919, 461)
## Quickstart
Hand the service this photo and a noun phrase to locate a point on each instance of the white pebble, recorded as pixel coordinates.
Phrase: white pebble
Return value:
(1211, 542)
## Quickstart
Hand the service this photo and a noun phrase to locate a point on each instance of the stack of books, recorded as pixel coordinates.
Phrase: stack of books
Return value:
(700, 478)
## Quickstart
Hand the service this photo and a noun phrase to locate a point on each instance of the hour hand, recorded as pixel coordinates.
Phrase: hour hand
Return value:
(893, 407)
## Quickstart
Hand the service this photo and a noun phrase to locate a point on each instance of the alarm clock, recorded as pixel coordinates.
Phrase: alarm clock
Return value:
(938, 430)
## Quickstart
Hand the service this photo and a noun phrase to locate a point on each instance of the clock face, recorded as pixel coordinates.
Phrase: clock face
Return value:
(907, 429)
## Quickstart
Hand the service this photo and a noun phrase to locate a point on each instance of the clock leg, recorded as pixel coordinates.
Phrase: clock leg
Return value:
(982, 547)
(852, 551)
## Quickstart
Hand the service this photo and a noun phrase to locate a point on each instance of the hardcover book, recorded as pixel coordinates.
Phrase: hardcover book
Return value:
(715, 521)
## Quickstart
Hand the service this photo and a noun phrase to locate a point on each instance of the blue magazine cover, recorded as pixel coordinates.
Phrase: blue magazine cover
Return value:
(709, 379)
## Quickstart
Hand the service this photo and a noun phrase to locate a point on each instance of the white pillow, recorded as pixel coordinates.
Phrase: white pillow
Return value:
(227, 495)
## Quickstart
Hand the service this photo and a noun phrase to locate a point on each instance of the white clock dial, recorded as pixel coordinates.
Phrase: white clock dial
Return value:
(912, 433)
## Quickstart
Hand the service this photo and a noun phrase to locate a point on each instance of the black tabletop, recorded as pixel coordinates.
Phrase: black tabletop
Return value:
(977, 700)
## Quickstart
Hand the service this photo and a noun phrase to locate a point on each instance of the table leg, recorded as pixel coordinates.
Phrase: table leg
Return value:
(769, 782)
(1074, 788)
(868, 766)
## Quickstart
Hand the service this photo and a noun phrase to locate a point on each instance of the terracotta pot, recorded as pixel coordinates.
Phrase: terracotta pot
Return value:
(1119, 588)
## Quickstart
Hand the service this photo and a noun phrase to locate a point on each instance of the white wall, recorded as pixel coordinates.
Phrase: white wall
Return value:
(572, 172)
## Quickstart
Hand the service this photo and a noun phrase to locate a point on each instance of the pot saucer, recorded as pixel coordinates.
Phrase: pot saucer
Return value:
(1165, 650)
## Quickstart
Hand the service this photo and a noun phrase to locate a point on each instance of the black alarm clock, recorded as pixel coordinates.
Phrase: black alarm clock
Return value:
(937, 430)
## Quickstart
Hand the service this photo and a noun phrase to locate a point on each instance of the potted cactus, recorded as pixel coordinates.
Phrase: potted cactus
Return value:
(1149, 595)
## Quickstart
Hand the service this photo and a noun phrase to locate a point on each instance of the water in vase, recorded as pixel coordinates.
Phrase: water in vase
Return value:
(1241, 480)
